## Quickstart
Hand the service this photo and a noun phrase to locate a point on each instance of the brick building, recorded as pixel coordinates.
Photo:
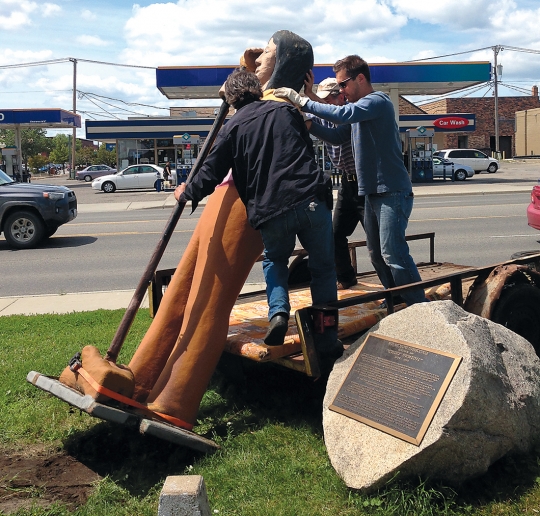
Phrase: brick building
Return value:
(483, 138)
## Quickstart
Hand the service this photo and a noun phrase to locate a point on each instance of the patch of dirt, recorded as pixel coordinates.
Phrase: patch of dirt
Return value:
(40, 477)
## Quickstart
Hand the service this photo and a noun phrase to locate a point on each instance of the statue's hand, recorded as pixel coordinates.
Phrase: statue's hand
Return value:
(248, 58)
(290, 94)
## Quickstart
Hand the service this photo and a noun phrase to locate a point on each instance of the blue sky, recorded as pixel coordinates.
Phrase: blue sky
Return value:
(213, 32)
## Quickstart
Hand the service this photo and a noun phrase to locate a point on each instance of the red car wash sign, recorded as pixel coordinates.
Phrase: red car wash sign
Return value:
(451, 122)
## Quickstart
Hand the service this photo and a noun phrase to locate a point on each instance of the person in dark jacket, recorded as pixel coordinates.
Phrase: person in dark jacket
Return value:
(268, 148)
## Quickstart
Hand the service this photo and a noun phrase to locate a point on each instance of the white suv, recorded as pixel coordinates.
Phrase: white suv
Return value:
(472, 157)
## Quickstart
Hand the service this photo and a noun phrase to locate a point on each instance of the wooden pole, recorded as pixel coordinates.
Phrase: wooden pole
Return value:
(140, 291)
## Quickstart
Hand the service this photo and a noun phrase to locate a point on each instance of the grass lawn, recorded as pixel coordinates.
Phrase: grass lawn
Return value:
(267, 420)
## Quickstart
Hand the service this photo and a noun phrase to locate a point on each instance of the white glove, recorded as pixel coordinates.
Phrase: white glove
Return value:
(290, 94)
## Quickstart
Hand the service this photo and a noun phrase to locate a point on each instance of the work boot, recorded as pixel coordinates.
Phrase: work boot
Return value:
(277, 329)
(345, 284)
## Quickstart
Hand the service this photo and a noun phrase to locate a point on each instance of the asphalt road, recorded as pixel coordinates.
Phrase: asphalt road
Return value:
(110, 250)
(522, 172)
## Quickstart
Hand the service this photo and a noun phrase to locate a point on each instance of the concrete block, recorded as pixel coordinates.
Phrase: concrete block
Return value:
(184, 495)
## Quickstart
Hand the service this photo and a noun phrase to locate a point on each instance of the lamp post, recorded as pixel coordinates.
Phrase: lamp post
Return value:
(74, 136)
(496, 70)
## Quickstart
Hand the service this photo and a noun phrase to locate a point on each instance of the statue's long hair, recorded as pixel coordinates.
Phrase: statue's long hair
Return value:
(294, 58)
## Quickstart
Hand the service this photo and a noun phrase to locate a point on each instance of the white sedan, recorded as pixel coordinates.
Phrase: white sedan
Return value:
(443, 167)
(134, 176)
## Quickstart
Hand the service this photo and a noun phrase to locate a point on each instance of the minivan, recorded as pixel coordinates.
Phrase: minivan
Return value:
(472, 157)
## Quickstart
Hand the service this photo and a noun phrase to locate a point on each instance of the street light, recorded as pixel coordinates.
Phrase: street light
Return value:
(497, 71)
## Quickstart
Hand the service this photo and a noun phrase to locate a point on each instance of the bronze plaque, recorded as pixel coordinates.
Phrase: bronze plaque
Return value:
(396, 386)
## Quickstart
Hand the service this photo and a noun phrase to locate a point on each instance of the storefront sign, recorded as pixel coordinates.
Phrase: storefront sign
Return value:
(186, 139)
(451, 122)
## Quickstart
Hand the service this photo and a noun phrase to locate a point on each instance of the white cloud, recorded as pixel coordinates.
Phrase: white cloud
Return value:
(15, 14)
(86, 14)
(9, 56)
(460, 14)
(94, 41)
(49, 9)
(218, 31)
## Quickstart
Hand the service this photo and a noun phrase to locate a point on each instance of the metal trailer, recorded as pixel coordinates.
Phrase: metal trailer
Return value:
(507, 293)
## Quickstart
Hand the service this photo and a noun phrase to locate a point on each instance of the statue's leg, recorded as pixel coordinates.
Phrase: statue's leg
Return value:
(157, 344)
(228, 248)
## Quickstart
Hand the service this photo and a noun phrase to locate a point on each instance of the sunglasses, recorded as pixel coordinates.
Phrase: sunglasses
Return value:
(343, 84)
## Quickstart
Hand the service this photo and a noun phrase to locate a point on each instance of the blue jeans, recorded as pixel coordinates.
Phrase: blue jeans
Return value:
(386, 219)
(314, 230)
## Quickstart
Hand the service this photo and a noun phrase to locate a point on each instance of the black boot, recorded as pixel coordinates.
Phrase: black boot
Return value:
(277, 329)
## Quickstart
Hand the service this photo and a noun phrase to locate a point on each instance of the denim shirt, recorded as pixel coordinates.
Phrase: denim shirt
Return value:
(375, 139)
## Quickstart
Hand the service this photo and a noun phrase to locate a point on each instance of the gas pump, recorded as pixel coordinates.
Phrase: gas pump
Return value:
(420, 146)
(186, 151)
(12, 167)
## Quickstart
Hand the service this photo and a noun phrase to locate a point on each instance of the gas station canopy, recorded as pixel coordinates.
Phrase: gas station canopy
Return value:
(46, 118)
(36, 118)
(198, 82)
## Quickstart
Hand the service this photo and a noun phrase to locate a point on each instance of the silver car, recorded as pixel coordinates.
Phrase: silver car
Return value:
(443, 167)
(90, 173)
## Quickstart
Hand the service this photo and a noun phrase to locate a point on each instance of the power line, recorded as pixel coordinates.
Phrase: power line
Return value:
(128, 103)
(518, 49)
(515, 88)
(502, 47)
(32, 91)
(448, 55)
(114, 116)
(116, 64)
(89, 95)
(465, 91)
(36, 63)
(68, 59)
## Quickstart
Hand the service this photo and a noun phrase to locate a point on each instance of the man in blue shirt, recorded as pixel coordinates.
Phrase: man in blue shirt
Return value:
(382, 176)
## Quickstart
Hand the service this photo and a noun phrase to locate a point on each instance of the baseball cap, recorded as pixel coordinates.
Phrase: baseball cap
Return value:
(326, 87)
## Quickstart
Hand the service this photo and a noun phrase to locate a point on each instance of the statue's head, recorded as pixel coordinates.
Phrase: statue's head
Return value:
(285, 61)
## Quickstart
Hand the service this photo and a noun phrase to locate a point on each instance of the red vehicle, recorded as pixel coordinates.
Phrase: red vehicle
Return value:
(533, 210)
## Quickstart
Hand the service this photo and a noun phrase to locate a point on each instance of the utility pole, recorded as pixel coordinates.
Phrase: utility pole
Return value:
(496, 50)
(74, 137)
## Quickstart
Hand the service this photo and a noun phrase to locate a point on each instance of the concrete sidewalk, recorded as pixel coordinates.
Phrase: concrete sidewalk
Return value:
(80, 301)
(88, 301)
(420, 190)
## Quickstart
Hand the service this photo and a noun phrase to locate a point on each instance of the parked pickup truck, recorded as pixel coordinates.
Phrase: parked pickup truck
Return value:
(507, 293)
(29, 213)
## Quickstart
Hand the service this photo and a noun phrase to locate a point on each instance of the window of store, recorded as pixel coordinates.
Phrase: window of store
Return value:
(164, 151)
(135, 151)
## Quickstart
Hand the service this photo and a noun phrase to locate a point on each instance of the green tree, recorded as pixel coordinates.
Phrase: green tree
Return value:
(85, 156)
(105, 157)
(37, 161)
(60, 149)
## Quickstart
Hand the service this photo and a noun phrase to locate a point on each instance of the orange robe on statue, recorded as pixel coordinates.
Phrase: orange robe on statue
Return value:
(180, 351)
